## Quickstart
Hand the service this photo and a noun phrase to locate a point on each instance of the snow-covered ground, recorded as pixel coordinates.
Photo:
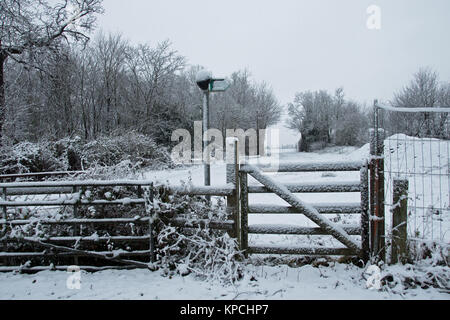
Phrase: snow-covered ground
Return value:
(336, 281)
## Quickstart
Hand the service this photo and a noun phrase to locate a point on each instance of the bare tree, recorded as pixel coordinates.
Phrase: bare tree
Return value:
(28, 25)
(324, 119)
(339, 102)
(352, 125)
(424, 91)
(245, 105)
(266, 110)
(311, 114)
(152, 71)
(110, 55)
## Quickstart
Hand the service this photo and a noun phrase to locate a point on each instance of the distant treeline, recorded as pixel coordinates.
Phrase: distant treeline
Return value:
(329, 119)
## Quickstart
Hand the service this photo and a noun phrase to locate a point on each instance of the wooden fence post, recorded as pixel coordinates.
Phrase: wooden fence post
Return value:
(4, 208)
(232, 160)
(4, 227)
(152, 243)
(399, 222)
(377, 222)
(365, 236)
(244, 212)
(76, 229)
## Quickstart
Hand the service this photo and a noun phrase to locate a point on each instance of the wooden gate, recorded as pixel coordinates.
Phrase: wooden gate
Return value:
(317, 214)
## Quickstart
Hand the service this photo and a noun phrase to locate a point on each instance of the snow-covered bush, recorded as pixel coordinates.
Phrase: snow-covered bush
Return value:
(30, 157)
(434, 253)
(132, 149)
(123, 170)
(208, 254)
(137, 148)
(399, 278)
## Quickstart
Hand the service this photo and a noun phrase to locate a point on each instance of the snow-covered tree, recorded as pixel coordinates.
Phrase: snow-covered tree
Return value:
(246, 105)
(423, 91)
(28, 26)
(324, 119)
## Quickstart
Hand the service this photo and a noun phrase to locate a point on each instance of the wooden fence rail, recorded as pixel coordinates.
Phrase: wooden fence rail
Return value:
(353, 186)
(38, 175)
(308, 167)
(323, 208)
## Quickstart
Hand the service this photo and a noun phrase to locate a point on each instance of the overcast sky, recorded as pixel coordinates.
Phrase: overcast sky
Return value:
(297, 45)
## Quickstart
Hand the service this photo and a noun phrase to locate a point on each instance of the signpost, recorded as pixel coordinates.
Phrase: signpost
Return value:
(219, 85)
(208, 84)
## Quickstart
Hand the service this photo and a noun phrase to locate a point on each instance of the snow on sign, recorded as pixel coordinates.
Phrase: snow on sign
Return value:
(219, 85)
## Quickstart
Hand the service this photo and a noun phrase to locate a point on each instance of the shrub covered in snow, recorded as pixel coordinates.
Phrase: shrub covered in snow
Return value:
(137, 148)
(30, 157)
(208, 254)
(131, 149)
(400, 278)
(123, 170)
(433, 252)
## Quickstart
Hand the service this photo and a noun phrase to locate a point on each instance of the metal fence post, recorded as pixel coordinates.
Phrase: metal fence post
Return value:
(207, 165)
(399, 222)
(377, 217)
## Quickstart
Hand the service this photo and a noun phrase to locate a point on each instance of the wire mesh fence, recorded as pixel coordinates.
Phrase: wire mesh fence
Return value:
(417, 149)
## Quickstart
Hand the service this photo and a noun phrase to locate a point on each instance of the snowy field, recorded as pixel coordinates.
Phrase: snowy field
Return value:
(335, 281)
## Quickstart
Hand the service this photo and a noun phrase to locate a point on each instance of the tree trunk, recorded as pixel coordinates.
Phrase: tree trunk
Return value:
(2, 94)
